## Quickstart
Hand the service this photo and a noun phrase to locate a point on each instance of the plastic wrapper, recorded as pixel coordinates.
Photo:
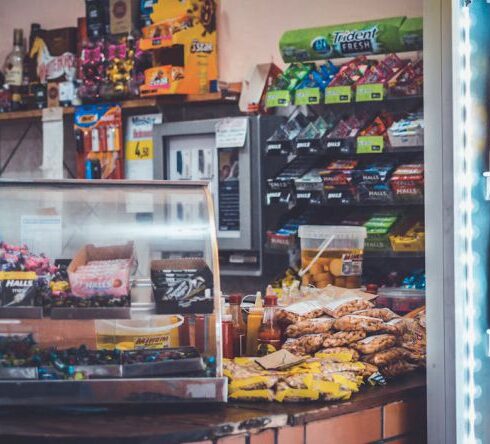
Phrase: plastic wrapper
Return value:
(347, 305)
(310, 326)
(398, 368)
(252, 395)
(241, 368)
(386, 357)
(339, 367)
(375, 344)
(397, 326)
(369, 370)
(284, 393)
(414, 339)
(343, 338)
(359, 323)
(305, 345)
(300, 312)
(330, 391)
(252, 383)
(338, 354)
(381, 313)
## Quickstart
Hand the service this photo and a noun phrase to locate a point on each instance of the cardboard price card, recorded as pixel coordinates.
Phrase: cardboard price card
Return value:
(307, 96)
(338, 94)
(370, 144)
(277, 98)
(373, 92)
(139, 149)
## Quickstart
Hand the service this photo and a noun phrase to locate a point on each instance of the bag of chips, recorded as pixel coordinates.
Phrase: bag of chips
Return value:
(359, 323)
(342, 338)
(375, 344)
(381, 313)
(310, 326)
(338, 354)
(383, 358)
(252, 395)
(346, 305)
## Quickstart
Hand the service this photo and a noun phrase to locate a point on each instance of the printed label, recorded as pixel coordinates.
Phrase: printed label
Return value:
(370, 92)
(338, 94)
(370, 144)
(307, 96)
(351, 264)
(277, 98)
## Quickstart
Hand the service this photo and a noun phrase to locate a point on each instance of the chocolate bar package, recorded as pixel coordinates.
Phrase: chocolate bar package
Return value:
(182, 286)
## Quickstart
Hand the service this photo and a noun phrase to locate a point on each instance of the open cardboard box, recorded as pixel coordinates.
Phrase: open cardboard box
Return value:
(180, 286)
(85, 288)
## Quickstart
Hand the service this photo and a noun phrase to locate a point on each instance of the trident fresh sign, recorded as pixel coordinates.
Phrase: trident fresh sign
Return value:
(395, 34)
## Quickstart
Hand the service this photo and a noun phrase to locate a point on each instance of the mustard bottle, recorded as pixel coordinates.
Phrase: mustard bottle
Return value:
(254, 320)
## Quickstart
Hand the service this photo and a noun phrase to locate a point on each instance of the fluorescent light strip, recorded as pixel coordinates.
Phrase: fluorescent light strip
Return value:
(467, 207)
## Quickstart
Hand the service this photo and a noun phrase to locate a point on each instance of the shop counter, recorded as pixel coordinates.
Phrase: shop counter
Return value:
(395, 413)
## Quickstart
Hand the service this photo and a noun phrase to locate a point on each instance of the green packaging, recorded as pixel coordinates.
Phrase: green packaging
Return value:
(396, 34)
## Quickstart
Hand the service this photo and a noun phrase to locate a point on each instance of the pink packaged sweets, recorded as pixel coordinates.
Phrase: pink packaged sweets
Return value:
(101, 271)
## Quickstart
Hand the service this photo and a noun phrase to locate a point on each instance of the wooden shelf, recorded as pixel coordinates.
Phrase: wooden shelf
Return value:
(134, 104)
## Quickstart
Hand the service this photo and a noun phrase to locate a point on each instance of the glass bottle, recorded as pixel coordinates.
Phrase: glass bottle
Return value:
(13, 69)
(254, 320)
(227, 336)
(269, 339)
(239, 327)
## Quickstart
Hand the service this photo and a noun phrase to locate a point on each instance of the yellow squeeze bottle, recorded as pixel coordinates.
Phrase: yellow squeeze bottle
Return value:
(254, 319)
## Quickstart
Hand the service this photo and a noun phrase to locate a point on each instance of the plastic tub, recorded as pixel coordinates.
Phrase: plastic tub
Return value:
(400, 300)
(332, 255)
(145, 330)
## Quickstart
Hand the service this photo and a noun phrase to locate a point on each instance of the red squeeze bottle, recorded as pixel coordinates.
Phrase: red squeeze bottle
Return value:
(269, 339)
(239, 327)
(227, 334)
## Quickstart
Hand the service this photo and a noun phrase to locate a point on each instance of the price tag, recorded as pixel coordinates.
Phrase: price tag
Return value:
(139, 149)
(338, 94)
(370, 144)
(274, 99)
(373, 92)
(307, 96)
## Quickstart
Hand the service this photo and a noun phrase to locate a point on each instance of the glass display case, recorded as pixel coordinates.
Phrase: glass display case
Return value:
(109, 293)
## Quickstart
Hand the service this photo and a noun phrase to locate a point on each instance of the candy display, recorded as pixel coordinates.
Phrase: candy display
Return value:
(407, 182)
(408, 131)
(19, 353)
(182, 42)
(182, 286)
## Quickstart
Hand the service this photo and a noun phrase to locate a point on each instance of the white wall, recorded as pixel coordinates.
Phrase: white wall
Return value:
(249, 30)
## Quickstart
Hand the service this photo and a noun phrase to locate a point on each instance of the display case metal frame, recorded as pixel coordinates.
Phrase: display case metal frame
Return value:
(162, 390)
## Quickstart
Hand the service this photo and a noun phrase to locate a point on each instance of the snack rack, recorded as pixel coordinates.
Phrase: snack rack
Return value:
(59, 218)
(296, 196)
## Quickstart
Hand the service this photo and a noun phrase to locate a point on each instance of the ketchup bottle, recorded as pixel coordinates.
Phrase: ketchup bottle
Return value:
(269, 339)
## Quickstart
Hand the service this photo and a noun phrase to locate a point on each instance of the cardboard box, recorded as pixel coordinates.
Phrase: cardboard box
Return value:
(98, 285)
(123, 16)
(182, 286)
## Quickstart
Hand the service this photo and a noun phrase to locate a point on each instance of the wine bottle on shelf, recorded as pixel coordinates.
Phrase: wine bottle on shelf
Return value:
(13, 69)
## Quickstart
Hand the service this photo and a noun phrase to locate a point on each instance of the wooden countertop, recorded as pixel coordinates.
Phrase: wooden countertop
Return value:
(145, 424)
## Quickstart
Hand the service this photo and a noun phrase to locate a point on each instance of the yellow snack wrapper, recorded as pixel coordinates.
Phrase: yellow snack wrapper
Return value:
(343, 356)
(252, 395)
(293, 395)
(252, 383)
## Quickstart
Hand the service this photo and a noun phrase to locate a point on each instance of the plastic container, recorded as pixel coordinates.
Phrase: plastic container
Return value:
(145, 330)
(332, 255)
(400, 300)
